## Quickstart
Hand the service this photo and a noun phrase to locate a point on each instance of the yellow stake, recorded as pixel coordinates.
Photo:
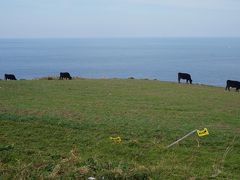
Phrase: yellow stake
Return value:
(200, 133)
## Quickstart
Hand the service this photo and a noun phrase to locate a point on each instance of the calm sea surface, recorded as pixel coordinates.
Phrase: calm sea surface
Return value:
(209, 60)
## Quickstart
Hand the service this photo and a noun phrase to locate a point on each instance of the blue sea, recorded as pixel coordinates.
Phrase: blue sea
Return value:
(210, 61)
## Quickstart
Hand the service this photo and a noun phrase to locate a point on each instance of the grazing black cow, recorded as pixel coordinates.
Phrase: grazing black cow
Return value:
(65, 75)
(184, 76)
(10, 77)
(233, 84)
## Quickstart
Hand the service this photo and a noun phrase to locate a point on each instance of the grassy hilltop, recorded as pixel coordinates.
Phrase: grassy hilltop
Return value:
(52, 129)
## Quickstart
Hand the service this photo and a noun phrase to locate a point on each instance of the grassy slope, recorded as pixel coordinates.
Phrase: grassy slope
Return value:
(62, 129)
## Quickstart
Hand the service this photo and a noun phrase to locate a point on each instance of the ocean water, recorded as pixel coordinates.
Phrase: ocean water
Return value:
(209, 60)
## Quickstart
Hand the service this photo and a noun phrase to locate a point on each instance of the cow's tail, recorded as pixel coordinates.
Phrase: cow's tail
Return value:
(178, 77)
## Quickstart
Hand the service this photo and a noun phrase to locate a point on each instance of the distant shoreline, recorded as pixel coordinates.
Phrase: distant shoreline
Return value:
(54, 78)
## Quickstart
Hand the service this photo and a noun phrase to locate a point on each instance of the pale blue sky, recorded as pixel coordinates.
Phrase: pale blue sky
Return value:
(119, 18)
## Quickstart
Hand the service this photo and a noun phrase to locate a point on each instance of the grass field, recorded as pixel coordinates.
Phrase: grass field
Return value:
(61, 129)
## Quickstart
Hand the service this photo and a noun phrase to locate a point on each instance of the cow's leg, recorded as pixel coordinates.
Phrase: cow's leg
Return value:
(227, 88)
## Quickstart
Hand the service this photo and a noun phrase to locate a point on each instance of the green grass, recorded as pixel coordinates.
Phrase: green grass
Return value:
(61, 129)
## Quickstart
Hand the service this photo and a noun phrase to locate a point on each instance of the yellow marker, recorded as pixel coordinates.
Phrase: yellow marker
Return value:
(203, 132)
(116, 139)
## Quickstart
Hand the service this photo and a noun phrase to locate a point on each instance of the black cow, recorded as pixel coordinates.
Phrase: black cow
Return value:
(10, 77)
(184, 76)
(233, 84)
(65, 75)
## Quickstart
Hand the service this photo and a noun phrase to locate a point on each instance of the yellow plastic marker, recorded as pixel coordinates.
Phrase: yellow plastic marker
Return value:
(116, 139)
(203, 132)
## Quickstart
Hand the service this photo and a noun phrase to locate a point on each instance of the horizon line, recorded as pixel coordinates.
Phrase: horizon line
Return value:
(122, 37)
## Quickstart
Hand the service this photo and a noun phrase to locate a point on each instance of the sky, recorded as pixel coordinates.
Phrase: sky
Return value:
(119, 18)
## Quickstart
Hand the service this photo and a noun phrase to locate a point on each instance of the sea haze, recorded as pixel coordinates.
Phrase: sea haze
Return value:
(209, 60)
